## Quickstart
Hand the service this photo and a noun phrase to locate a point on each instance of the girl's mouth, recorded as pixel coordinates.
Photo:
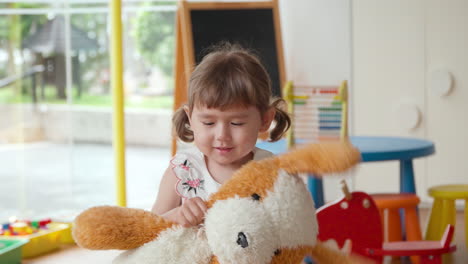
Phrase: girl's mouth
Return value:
(223, 150)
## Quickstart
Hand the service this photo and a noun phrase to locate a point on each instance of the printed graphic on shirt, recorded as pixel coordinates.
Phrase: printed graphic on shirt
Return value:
(190, 180)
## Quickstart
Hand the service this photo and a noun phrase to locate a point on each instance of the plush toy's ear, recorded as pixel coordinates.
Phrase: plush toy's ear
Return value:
(320, 158)
(258, 177)
(112, 227)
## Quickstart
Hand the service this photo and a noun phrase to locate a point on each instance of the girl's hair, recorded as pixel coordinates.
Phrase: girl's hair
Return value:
(231, 76)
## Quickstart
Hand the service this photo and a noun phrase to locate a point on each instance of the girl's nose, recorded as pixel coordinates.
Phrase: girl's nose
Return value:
(223, 132)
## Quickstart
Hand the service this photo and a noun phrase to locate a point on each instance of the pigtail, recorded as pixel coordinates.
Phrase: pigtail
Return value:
(180, 121)
(282, 120)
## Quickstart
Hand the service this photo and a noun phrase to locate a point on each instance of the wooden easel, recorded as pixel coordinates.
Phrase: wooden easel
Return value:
(180, 75)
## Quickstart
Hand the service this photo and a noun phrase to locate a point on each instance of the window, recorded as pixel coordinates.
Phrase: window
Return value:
(56, 151)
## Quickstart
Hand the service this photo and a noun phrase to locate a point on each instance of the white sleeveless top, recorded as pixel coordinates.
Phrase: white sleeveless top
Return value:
(194, 180)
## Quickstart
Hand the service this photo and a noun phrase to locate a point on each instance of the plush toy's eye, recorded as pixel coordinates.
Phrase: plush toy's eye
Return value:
(277, 252)
(256, 197)
(242, 240)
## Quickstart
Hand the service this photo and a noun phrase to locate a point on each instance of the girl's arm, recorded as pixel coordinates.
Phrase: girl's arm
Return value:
(168, 203)
(167, 198)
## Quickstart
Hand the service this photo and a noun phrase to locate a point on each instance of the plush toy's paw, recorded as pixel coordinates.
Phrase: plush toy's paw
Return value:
(112, 227)
(323, 253)
(346, 249)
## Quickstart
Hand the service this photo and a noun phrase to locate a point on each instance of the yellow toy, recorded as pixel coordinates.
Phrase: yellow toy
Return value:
(263, 214)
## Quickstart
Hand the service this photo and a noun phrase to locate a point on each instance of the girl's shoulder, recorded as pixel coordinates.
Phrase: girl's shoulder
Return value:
(260, 154)
(187, 155)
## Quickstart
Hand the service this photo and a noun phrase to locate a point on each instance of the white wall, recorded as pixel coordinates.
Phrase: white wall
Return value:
(388, 72)
(317, 49)
(316, 38)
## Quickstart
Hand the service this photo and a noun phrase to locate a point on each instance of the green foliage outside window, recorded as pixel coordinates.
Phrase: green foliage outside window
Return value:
(154, 34)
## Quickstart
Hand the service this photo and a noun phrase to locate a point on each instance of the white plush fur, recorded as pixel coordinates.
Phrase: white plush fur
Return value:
(227, 218)
(267, 224)
(292, 210)
(176, 245)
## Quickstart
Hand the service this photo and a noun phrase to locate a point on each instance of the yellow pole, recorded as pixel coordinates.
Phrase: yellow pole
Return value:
(288, 96)
(344, 112)
(118, 100)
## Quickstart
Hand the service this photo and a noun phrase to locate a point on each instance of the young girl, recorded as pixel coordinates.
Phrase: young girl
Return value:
(229, 104)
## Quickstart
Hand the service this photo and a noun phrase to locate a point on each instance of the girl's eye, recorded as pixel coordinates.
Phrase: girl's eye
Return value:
(207, 123)
(236, 124)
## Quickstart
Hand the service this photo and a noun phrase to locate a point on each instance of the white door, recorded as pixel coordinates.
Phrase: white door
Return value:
(388, 81)
(447, 115)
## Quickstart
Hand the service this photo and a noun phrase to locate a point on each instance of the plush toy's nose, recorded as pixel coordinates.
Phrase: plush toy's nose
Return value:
(242, 240)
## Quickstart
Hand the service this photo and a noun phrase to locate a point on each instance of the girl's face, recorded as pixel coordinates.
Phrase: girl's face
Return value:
(228, 137)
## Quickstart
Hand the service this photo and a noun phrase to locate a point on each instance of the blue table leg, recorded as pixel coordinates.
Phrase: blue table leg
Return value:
(407, 185)
(315, 186)
(407, 177)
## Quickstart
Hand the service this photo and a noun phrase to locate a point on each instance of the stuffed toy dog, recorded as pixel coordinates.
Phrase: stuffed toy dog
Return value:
(263, 214)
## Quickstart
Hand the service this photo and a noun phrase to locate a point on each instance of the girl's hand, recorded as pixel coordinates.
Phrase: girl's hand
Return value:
(191, 212)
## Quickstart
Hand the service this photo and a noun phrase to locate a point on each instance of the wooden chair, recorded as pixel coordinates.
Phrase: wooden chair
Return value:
(356, 217)
(399, 215)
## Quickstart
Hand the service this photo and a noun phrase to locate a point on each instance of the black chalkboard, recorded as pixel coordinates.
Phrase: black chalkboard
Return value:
(253, 29)
(253, 25)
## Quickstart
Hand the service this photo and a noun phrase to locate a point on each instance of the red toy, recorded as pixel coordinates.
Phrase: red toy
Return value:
(356, 217)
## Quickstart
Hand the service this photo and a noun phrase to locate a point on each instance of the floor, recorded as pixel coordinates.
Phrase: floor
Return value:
(74, 255)
(51, 180)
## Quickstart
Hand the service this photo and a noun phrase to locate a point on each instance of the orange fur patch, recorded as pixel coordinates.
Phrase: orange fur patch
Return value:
(112, 227)
(254, 177)
(321, 158)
